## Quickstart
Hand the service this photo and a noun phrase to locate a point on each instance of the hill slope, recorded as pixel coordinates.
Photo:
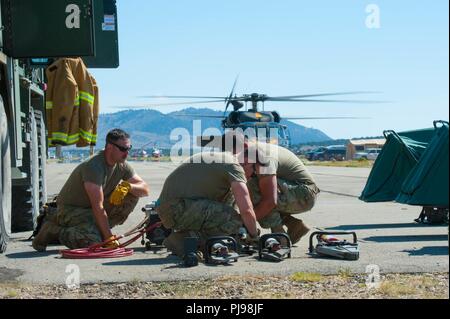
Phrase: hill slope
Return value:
(153, 127)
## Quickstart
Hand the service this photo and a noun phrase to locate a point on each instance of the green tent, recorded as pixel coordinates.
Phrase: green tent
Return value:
(400, 154)
(427, 183)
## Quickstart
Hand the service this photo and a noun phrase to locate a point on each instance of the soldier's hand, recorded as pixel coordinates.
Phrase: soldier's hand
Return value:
(112, 244)
(119, 193)
(253, 240)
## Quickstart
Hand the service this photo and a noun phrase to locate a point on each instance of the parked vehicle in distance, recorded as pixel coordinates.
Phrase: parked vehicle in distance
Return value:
(369, 154)
(310, 156)
(329, 153)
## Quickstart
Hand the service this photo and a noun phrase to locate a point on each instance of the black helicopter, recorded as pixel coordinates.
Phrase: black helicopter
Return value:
(263, 125)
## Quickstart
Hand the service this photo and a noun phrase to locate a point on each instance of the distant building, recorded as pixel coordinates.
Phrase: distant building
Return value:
(355, 146)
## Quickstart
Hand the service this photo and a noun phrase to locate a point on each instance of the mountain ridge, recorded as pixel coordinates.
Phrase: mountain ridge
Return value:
(151, 127)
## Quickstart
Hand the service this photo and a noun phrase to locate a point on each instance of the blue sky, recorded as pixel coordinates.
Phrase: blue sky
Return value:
(288, 47)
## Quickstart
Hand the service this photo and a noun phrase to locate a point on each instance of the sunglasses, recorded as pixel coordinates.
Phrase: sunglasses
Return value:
(122, 148)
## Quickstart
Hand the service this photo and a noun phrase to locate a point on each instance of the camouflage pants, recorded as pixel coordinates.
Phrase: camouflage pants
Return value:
(78, 226)
(205, 217)
(293, 198)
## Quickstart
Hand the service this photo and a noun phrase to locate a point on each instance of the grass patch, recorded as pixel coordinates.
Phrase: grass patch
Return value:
(160, 159)
(9, 290)
(424, 282)
(356, 163)
(345, 273)
(416, 285)
(297, 285)
(361, 285)
(270, 295)
(306, 277)
(12, 294)
(396, 290)
(183, 289)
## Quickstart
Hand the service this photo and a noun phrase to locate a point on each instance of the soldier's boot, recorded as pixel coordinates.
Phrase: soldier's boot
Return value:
(175, 243)
(278, 229)
(296, 228)
(49, 233)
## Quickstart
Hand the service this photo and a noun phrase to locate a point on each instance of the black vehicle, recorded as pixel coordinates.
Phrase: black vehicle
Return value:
(330, 153)
(311, 155)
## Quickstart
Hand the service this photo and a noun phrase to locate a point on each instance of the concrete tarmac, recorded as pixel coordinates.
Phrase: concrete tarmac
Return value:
(390, 240)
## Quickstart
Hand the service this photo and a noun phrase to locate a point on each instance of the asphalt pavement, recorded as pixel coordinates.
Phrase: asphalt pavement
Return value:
(390, 241)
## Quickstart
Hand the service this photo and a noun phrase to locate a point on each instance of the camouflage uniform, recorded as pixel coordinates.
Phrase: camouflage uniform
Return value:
(197, 196)
(292, 199)
(297, 190)
(75, 215)
(78, 226)
(205, 217)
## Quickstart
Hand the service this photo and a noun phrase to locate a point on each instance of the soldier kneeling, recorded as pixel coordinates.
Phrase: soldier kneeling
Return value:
(99, 194)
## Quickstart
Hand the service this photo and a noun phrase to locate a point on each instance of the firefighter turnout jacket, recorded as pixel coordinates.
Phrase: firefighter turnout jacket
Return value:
(71, 103)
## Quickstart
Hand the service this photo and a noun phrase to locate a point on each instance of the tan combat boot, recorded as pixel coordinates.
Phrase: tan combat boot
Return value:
(49, 233)
(277, 229)
(296, 229)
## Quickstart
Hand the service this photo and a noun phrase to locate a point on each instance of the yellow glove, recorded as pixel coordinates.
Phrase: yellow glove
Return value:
(112, 244)
(119, 193)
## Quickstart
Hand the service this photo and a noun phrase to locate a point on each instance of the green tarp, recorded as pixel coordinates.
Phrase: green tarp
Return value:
(406, 163)
(427, 183)
(397, 158)
(424, 135)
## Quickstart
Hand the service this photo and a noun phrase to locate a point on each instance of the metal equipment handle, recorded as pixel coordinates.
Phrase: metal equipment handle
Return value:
(228, 240)
(311, 247)
(264, 237)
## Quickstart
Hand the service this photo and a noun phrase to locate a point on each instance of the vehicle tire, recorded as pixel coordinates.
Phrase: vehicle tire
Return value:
(5, 181)
(25, 197)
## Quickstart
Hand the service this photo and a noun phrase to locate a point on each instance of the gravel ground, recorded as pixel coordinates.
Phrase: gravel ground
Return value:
(298, 286)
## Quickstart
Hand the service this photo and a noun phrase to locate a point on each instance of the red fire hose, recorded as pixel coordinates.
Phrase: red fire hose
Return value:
(98, 251)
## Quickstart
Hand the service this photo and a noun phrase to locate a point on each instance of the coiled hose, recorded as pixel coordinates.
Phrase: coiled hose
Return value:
(98, 251)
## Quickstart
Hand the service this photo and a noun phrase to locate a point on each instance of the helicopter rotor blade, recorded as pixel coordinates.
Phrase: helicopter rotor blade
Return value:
(198, 115)
(164, 104)
(328, 101)
(325, 118)
(180, 97)
(270, 98)
(228, 100)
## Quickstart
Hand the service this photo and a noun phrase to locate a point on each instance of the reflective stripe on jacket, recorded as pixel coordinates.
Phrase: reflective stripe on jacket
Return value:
(71, 103)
